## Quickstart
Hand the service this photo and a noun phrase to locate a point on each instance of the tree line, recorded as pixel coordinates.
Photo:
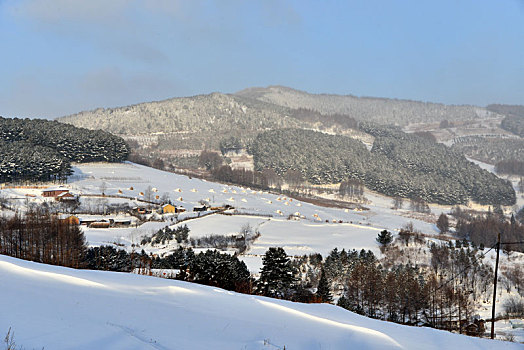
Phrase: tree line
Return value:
(514, 123)
(38, 235)
(485, 228)
(440, 293)
(514, 120)
(512, 167)
(490, 150)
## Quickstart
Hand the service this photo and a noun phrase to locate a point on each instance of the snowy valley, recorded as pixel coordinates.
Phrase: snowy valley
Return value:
(274, 220)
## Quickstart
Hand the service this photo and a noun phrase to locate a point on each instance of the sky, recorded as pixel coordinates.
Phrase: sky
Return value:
(59, 57)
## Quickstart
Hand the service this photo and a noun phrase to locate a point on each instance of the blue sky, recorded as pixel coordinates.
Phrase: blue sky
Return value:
(62, 56)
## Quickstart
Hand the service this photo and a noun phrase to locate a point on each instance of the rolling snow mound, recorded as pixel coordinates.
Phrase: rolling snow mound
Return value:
(60, 308)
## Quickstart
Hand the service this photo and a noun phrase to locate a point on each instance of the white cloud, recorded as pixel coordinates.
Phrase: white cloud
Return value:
(151, 48)
(190, 12)
(53, 11)
(112, 87)
(111, 26)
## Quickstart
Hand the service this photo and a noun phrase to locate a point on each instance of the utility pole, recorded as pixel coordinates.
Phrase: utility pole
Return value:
(495, 290)
(460, 314)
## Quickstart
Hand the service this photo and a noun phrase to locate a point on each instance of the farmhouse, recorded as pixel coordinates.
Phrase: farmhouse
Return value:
(95, 221)
(142, 210)
(168, 208)
(200, 208)
(87, 221)
(476, 329)
(54, 192)
(65, 197)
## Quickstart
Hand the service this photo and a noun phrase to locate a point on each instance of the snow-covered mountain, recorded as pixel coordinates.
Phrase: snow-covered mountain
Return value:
(252, 108)
(381, 110)
(212, 112)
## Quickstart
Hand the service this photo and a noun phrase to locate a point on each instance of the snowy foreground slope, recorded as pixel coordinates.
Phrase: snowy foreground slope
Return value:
(60, 308)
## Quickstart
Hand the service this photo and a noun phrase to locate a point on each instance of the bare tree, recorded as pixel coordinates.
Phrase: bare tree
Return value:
(148, 193)
(210, 160)
(103, 188)
(101, 205)
(397, 203)
(272, 178)
(9, 341)
(165, 198)
(293, 178)
(419, 205)
(351, 188)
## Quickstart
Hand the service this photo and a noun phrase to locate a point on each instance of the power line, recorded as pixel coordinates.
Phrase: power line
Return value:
(521, 242)
(481, 256)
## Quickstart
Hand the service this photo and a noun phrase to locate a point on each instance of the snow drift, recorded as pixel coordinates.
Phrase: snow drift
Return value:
(60, 308)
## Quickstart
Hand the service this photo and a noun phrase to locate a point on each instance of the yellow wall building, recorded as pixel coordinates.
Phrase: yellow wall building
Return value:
(168, 208)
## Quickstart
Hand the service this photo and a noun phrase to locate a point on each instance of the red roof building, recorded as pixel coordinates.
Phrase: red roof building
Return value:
(53, 192)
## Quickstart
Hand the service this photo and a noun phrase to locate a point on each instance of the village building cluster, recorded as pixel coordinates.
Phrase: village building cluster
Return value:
(131, 217)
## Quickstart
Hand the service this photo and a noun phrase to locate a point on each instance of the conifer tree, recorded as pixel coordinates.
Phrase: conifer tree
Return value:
(323, 291)
(443, 223)
(384, 238)
(277, 274)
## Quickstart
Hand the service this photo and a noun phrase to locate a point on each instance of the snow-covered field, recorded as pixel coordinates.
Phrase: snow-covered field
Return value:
(59, 308)
(314, 229)
(309, 234)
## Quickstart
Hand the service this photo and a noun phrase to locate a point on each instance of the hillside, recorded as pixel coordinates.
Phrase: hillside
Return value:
(514, 124)
(43, 150)
(491, 150)
(380, 110)
(215, 111)
(59, 308)
(301, 228)
(171, 134)
(198, 119)
(205, 116)
(265, 108)
(513, 110)
(399, 164)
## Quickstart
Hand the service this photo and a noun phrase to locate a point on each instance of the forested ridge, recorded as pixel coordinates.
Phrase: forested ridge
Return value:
(43, 150)
(379, 110)
(490, 150)
(398, 165)
(173, 130)
(514, 124)
(514, 120)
